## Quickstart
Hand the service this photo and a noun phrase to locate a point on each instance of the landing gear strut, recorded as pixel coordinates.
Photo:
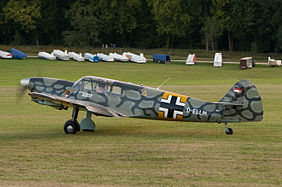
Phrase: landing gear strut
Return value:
(72, 125)
(228, 131)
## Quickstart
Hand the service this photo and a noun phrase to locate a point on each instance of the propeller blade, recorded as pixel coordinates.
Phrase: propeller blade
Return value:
(21, 90)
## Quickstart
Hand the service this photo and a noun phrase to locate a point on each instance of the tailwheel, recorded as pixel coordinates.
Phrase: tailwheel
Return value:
(70, 127)
(228, 131)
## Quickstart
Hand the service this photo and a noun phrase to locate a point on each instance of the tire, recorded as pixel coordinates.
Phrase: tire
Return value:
(229, 131)
(70, 127)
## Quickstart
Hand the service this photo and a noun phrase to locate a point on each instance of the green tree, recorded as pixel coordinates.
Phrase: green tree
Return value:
(85, 25)
(279, 38)
(53, 21)
(2, 24)
(212, 30)
(101, 21)
(145, 34)
(237, 17)
(118, 19)
(171, 17)
(23, 14)
(268, 24)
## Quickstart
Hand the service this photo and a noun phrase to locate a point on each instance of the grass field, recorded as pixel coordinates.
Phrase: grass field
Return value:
(35, 151)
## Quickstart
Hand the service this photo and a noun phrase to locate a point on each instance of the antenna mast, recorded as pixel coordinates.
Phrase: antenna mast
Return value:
(163, 83)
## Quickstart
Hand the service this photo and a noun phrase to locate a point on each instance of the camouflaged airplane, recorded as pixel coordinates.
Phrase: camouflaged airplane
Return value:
(112, 98)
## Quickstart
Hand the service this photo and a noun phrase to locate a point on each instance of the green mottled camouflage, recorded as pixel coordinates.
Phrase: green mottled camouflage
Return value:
(144, 102)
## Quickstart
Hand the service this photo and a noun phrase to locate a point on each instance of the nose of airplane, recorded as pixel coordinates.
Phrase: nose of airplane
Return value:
(25, 82)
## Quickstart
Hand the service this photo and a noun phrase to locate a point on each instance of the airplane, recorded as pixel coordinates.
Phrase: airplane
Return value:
(91, 57)
(4, 54)
(113, 98)
(61, 55)
(105, 58)
(118, 57)
(77, 57)
(46, 56)
(139, 59)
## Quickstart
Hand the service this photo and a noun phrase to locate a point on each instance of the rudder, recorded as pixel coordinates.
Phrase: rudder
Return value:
(248, 105)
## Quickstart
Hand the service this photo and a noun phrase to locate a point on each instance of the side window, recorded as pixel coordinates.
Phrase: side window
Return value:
(80, 86)
(116, 90)
(95, 86)
(109, 88)
(100, 87)
(88, 85)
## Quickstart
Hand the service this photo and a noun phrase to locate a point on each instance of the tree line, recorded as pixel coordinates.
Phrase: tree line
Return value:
(252, 25)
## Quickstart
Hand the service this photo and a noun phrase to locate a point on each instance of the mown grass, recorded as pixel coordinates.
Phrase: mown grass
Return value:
(34, 150)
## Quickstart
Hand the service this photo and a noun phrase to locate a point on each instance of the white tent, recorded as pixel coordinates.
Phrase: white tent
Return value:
(217, 62)
(191, 59)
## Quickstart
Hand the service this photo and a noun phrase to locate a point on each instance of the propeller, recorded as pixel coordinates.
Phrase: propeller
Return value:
(25, 82)
(21, 90)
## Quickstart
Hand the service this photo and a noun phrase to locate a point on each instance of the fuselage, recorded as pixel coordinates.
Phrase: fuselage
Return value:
(128, 99)
(138, 101)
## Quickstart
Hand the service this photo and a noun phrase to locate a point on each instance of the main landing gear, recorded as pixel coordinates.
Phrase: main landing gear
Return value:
(228, 131)
(72, 125)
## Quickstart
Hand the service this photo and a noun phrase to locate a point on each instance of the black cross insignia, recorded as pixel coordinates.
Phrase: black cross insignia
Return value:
(171, 107)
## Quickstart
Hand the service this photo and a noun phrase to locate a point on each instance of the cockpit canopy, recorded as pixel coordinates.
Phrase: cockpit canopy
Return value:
(102, 85)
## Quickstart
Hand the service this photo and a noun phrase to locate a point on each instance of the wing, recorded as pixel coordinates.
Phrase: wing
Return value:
(92, 107)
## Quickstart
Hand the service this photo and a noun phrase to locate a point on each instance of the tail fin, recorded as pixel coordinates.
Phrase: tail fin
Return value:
(244, 103)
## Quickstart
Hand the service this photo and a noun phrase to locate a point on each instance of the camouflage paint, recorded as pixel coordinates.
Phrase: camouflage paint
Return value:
(243, 104)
